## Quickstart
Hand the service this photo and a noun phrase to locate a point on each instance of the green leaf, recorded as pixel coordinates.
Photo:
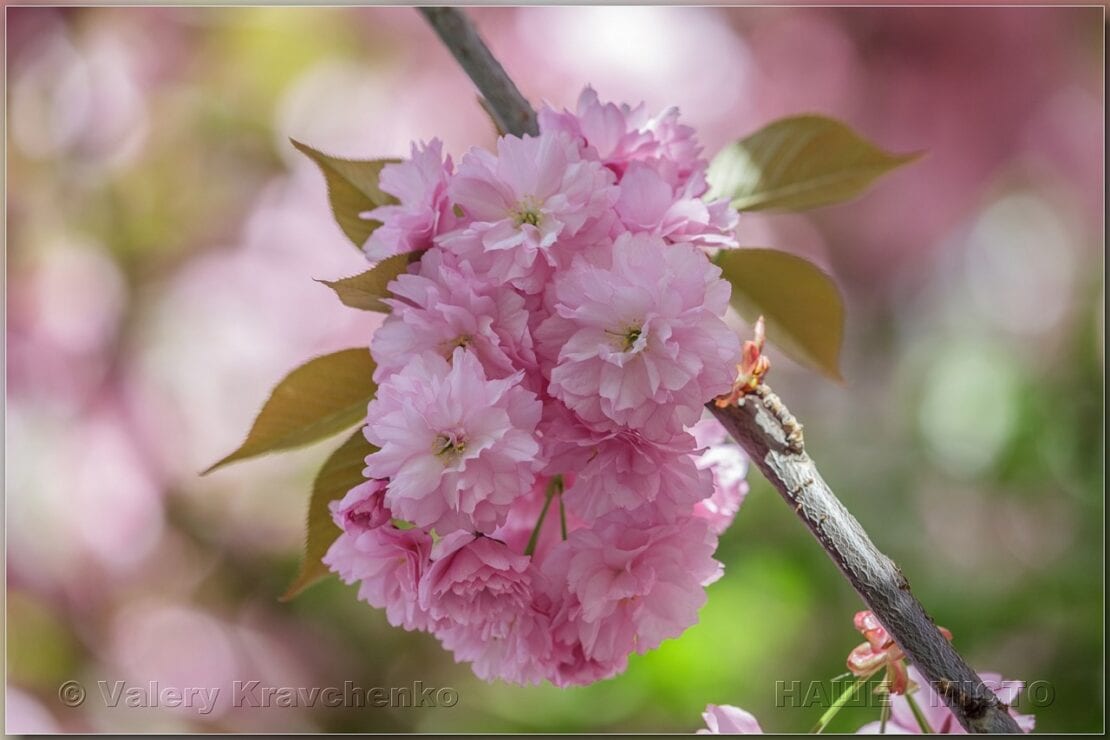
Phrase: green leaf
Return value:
(366, 290)
(320, 398)
(341, 472)
(352, 189)
(798, 163)
(800, 304)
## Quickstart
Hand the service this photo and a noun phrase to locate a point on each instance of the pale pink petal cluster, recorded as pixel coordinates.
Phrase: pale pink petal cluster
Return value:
(629, 582)
(637, 336)
(363, 508)
(445, 305)
(475, 580)
(457, 446)
(420, 186)
(519, 652)
(729, 467)
(650, 202)
(387, 562)
(618, 135)
(725, 719)
(537, 497)
(619, 468)
(525, 205)
(660, 173)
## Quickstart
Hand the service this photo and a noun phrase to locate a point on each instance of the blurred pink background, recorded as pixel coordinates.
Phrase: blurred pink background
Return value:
(162, 239)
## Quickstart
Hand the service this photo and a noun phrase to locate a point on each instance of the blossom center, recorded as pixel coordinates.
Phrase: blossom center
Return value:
(527, 212)
(628, 339)
(449, 446)
(463, 340)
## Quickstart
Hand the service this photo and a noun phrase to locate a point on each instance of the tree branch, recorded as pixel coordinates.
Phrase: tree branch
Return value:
(763, 427)
(756, 424)
(511, 112)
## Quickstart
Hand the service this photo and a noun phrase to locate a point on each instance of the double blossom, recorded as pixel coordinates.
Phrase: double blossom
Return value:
(542, 496)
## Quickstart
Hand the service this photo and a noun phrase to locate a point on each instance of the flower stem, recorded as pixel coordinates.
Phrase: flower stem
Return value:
(884, 715)
(562, 512)
(843, 699)
(555, 485)
(918, 715)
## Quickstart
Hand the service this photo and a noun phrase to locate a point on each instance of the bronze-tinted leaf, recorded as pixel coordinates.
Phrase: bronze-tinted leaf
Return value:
(320, 398)
(352, 189)
(341, 472)
(367, 289)
(798, 163)
(800, 304)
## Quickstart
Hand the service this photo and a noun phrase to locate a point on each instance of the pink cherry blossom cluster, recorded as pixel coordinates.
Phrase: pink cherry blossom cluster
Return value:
(544, 496)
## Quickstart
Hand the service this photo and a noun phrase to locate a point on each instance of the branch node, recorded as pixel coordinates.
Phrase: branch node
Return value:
(791, 427)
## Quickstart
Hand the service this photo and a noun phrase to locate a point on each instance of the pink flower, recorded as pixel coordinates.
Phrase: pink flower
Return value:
(729, 466)
(629, 582)
(445, 306)
(570, 666)
(457, 447)
(480, 592)
(420, 184)
(475, 580)
(538, 499)
(649, 202)
(536, 193)
(937, 714)
(519, 653)
(620, 469)
(724, 719)
(362, 509)
(389, 563)
(637, 335)
(618, 135)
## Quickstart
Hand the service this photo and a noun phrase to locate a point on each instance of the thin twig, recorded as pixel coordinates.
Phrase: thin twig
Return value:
(761, 424)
